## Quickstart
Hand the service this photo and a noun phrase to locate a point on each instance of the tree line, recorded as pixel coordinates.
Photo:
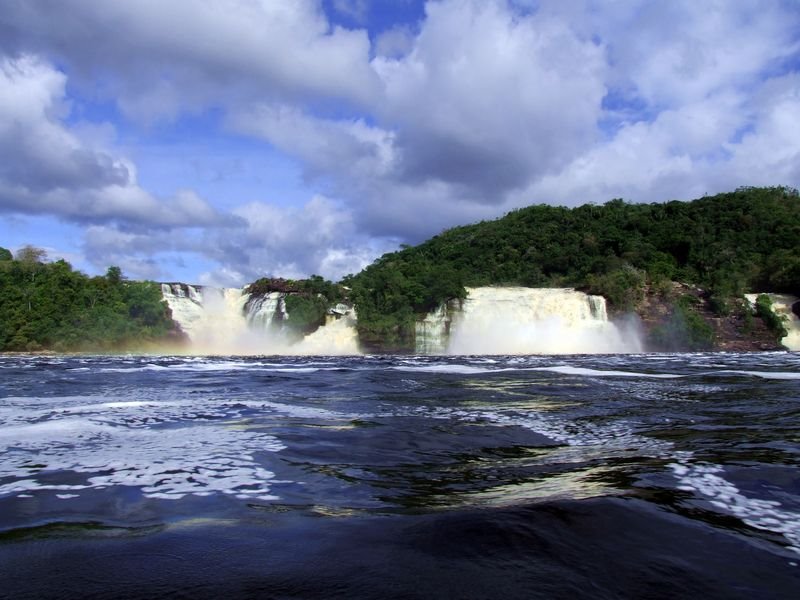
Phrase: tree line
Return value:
(49, 305)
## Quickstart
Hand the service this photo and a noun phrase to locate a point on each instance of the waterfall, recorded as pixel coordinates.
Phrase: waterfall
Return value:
(782, 306)
(337, 337)
(228, 321)
(266, 311)
(431, 333)
(516, 320)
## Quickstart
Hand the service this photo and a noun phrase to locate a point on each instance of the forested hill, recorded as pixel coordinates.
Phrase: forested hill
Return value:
(747, 240)
(48, 305)
(729, 244)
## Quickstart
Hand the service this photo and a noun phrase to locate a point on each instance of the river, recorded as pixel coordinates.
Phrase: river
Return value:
(604, 476)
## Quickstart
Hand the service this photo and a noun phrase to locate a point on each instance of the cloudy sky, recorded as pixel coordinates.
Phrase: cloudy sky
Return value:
(217, 141)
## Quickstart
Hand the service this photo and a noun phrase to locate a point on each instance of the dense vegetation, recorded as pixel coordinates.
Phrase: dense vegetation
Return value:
(729, 243)
(48, 305)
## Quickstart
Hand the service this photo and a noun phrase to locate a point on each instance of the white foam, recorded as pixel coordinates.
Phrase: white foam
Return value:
(217, 367)
(300, 411)
(453, 369)
(706, 479)
(192, 449)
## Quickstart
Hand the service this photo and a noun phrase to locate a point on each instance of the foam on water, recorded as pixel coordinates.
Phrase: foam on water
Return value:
(210, 367)
(165, 449)
(169, 444)
(478, 367)
(707, 480)
(451, 369)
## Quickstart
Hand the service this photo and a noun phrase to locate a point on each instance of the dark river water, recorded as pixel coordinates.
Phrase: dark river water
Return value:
(648, 476)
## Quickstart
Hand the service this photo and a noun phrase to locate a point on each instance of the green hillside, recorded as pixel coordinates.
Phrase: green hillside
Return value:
(48, 305)
(747, 240)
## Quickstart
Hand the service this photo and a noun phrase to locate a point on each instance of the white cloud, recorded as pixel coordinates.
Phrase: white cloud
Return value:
(488, 100)
(39, 154)
(162, 58)
(769, 152)
(47, 169)
(482, 103)
(395, 42)
(718, 144)
(105, 246)
(319, 237)
(354, 9)
(483, 107)
(350, 148)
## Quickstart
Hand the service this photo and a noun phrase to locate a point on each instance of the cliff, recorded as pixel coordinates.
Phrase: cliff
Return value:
(680, 317)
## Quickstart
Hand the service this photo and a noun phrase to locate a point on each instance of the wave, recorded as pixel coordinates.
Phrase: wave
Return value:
(568, 370)
(761, 374)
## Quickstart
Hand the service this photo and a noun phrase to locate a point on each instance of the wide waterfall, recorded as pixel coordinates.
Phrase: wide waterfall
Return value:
(227, 321)
(517, 320)
(782, 305)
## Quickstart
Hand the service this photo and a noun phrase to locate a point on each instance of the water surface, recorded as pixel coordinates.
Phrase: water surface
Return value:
(656, 476)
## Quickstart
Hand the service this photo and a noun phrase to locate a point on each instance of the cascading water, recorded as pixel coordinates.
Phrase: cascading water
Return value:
(266, 311)
(516, 320)
(228, 321)
(782, 306)
(433, 331)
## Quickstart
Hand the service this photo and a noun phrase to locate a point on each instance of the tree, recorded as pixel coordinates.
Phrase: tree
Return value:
(31, 255)
(114, 275)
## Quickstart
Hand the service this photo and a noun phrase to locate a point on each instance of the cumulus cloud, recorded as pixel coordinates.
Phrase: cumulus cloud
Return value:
(487, 100)
(395, 42)
(46, 168)
(481, 103)
(133, 253)
(38, 153)
(325, 146)
(356, 10)
(318, 237)
(481, 107)
(159, 59)
(705, 109)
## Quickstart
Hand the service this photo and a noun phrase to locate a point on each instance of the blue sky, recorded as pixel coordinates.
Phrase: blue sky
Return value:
(218, 142)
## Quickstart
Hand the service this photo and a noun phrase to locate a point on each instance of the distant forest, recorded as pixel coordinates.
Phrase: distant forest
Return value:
(728, 244)
(48, 305)
(744, 241)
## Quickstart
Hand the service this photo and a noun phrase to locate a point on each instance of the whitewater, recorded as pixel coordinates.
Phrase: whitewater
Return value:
(491, 320)
(581, 476)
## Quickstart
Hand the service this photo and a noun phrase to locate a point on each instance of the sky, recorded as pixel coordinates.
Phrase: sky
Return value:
(216, 142)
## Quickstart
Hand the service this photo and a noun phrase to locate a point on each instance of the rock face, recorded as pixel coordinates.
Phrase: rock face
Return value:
(738, 331)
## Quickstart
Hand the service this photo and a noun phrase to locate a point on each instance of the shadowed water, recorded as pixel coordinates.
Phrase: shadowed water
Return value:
(655, 476)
